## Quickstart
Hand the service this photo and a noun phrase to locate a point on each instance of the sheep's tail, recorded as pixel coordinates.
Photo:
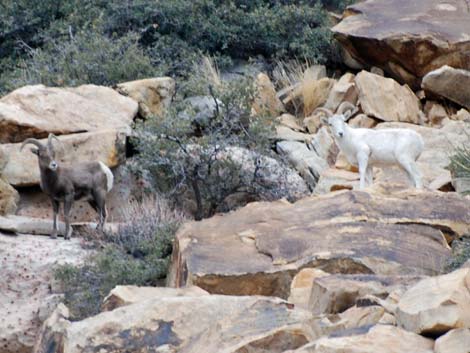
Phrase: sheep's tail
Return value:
(109, 176)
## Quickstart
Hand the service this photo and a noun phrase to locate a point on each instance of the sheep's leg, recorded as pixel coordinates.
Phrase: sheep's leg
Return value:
(362, 161)
(369, 176)
(67, 207)
(100, 201)
(412, 172)
(55, 208)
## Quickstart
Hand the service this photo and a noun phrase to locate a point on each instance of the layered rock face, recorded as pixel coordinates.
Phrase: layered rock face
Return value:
(407, 39)
(258, 249)
(212, 323)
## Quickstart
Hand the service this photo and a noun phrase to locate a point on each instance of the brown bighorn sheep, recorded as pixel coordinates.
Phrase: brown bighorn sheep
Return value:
(90, 181)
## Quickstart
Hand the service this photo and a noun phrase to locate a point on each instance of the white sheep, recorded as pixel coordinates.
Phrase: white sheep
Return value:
(366, 148)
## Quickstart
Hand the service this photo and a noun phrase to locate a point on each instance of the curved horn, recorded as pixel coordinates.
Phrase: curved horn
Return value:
(33, 142)
(346, 106)
(50, 147)
(328, 112)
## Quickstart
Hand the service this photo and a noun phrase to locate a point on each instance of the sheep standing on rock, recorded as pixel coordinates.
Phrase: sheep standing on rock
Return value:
(90, 181)
(366, 148)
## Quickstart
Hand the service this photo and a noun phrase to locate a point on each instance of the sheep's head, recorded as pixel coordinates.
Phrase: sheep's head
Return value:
(337, 122)
(46, 154)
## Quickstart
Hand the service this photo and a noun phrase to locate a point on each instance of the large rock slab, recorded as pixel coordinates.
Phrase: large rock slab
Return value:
(436, 305)
(107, 146)
(28, 225)
(384, 99)
(211, 324)
(449, 83)
(127, 295)
(375, 339)
(407, 39)
(26, 271)
(35, 111)
(152, 94)
(343, 91)
(454, 341)
(337, 293)
(259, 248)
(9, 198)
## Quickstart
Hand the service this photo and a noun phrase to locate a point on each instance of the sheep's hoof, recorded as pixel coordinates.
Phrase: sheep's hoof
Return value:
(53, 236)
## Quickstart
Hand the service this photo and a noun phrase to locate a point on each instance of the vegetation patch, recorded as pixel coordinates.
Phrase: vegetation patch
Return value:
(137, 254)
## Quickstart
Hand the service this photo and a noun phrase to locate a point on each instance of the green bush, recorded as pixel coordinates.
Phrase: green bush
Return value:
(137, 254)
(460, 163)
(460, 253)
(190, 155)
(87, 58)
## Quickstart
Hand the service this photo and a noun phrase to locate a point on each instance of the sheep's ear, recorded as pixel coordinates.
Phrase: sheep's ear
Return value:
(35, 151)
(324, 120)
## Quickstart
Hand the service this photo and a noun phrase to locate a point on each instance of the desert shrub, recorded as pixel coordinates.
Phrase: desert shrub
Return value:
(208, 157)
(137, 254)
(460, 163)
(87, 58)
(460, 253)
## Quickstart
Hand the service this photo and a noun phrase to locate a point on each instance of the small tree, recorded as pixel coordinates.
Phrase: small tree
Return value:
(211, 157)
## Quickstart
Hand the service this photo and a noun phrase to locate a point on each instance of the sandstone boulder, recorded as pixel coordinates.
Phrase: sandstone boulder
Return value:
(211, 323)
(267, 100)
(152, 94)
(284, 133)
(337, 293)
(9, 198)
(127, 295)
(26, 264)
(290, 121)
(301, 286)
(384, 99)
(107, 146)
(454, 341)
(259, 248)
(35, 111)
(375, 339)
(343, 91)
(307, 162)
(407, 39)
(28, 225)
(436, 305)
(362, 121)
(449, 83)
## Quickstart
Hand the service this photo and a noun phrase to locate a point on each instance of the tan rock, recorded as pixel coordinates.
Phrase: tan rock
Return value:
(290, 121)
(362, 121)
(127, 295)
(307, 162)
(152, 94)
(28, 225)
(337, 293)
(349, 232)
(384, 99)
(361, 316)
(315, 93)
(343, 91)
(35, 111)
(436, 305)
(435, 113)
(407, 39)
(462, 114)
(267, 100)
(313, 123)
(301, 286)
(334, 179)
(287, 134)
(9, 198)
(212, 324)
(107, 146)
(454, 341)
(450, 83)
(376, 339)
(27, 264)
